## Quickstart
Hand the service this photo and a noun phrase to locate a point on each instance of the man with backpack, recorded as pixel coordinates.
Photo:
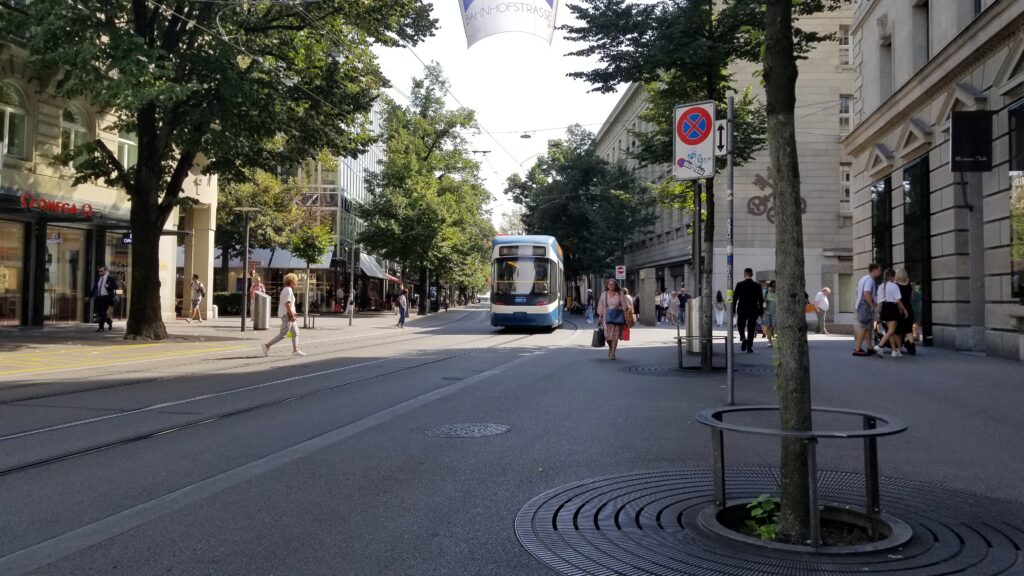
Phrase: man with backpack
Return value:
(198, 292)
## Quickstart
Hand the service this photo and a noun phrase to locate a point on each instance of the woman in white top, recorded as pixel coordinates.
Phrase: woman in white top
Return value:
(286, 310)
(891, 312)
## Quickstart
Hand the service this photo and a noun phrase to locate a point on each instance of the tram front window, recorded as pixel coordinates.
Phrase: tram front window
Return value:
(521, 276)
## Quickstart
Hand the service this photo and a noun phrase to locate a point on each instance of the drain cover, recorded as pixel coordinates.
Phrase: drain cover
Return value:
(651, 370)
(646, 524)
(473, 430)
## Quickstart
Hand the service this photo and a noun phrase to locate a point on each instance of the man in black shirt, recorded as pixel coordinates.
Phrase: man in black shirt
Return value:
(747, 305)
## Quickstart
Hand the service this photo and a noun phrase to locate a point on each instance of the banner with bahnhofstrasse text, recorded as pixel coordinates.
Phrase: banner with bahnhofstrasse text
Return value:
(483, 18)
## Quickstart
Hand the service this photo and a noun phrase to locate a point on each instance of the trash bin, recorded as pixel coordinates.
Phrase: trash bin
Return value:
(261, 311)
(693, 324)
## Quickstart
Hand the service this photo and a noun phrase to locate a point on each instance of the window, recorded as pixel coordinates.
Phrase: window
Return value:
(845, 104)
(978, 7)
(13, 120)
(844, 45)
(885, 69)
(920, 39)
(1016, 115)
(844, 180)
(917, 239)
(881, 222)
(72, 130)
(128, 149)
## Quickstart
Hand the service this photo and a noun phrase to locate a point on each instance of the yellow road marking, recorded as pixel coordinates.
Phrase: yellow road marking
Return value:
(92, 362)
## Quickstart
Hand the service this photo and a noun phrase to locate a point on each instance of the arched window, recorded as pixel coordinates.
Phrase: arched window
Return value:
(73, 132)
(13, 120)
(127, 149)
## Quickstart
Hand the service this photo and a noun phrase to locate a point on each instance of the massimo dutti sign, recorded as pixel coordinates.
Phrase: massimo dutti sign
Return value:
(970, 137)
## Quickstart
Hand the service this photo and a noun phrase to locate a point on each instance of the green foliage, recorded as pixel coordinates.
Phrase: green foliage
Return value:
(310, 243)
(592, 207)
(427, 200)
(210, 84)
(764, 517)
(228, 303)
(269, 226)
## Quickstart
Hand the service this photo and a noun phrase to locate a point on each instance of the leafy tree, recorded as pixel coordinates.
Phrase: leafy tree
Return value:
(269, 227)
(427, 200)
(512, 223)
(309, 243)
(207, 85)
(591, 207)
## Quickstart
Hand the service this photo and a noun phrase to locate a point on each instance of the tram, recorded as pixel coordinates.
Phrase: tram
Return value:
(527, 282)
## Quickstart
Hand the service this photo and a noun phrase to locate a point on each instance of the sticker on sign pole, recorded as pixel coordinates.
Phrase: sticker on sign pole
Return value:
(694, 141)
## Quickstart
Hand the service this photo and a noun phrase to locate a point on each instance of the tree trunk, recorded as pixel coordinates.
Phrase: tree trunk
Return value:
(794, 379)
(424, 291)
(707, 269)
(145, 320)
(305, 301)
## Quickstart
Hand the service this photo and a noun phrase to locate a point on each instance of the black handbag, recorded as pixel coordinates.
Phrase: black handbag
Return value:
(598, 339)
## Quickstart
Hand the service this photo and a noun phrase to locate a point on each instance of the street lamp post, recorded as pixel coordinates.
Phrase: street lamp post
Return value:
(245, 264)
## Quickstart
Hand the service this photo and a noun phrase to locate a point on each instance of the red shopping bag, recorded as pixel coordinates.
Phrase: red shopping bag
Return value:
(625, 332)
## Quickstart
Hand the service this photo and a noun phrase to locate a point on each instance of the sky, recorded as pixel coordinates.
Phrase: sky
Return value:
(515, 82)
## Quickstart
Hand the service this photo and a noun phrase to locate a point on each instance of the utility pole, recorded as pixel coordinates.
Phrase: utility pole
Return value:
(352, 286)
(729, 353)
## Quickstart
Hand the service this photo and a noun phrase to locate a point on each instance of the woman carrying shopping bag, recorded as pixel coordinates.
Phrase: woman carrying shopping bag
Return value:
(286, 310)
(611, 309)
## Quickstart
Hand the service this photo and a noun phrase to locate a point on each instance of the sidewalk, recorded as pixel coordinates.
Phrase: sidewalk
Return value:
(28, 354)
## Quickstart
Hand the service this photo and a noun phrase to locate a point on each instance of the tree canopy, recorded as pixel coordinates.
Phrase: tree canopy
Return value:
(203, 84)
(427, 201)
(269, 226)
(591, 206)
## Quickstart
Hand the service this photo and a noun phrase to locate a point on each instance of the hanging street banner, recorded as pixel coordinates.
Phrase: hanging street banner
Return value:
(693, 141)
(483, 18)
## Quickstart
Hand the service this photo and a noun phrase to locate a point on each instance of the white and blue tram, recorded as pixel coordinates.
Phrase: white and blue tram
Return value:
(527, 281)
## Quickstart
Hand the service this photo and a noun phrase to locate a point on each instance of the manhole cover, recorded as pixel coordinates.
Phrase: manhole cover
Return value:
(646, 524)
(467, 430)
(655, 370)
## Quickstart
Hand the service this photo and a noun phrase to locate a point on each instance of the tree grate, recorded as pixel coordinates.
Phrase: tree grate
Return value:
(472, 430)
(646, 524)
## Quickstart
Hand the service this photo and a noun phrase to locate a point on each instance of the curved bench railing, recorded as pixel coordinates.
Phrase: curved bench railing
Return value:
(874, 426)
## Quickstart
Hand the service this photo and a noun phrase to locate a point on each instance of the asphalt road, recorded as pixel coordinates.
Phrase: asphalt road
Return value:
(323, 467)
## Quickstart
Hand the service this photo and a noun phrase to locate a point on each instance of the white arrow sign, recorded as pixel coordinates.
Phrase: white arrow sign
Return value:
(721, 138)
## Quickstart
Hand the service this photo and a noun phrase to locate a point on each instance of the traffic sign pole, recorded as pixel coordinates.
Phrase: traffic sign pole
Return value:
(729, 352)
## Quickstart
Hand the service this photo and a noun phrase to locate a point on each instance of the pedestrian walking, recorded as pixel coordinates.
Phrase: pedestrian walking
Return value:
(747, 306)
(198, 292)
(103, 293)
(673, 309)
(864, 309)
(286, 311)
(719, 309)
(403, 307)
(771, 308)
(664, 300)
(821, 308)
(905, 326)
(891, 312)
(590, 306)
(256, 288)
(611, 310)
(683, 298)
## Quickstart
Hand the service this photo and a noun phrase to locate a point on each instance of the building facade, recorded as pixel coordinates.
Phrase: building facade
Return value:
(960, 235)
(662, 257)
(54, 234)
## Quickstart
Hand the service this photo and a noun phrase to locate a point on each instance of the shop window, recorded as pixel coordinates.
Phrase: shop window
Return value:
(73, 132)
(13, 120)
(12, 272)
(917, 239)
(128, 149)
(1016, 115)
(881, 222)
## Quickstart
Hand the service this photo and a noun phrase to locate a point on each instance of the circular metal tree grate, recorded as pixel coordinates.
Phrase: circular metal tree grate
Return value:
(647, 524)
(472, 430)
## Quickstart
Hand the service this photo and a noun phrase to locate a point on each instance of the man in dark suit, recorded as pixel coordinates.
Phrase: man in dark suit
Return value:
(747, 305)
(103, 292)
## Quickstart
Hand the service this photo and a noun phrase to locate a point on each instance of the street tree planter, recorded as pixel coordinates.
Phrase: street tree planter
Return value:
(884, 530)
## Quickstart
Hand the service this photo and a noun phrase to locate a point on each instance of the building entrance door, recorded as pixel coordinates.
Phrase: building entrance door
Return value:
(65, 285)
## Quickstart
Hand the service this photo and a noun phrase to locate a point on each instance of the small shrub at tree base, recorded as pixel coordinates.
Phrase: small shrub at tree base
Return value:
(228, 303)
(764, 517)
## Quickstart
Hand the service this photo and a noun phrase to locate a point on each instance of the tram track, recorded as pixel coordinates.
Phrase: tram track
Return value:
(256, 360)
(162, 431)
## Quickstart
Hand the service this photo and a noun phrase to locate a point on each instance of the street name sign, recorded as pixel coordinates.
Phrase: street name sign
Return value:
(693, 141)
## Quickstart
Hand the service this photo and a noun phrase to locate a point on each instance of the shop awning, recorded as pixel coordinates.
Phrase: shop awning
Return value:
(393, 279)
(368, 264)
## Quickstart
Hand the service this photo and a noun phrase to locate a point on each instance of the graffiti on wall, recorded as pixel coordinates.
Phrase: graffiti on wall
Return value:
(764, 204)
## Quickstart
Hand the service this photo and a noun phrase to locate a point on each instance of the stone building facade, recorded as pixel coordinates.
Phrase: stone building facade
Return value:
(662, 258)
(54, 234)
(959, 235)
